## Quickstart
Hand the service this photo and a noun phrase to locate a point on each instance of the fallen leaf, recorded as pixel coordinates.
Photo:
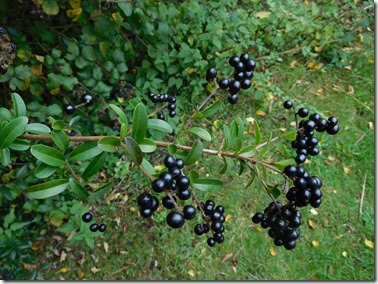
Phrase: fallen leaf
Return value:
(262, 14)
(370, 244)
(293, 63)
(272, 251)
(63, 256)
(260, 112)
(311, 224)
(348, 67)
(190, 70)
(315, 243)
(319, 91)
(371, 125)
(106, 246)
(80, 274)
(370, 59)
(313, 211)
(230, 254)
(228, 218)
(62, 270)
(350, 90)
(328, 162)
(158, 168)
(344, 253)
(251, 120)
(29, 266)
(191, 272)
(132, 209)
(42, 58)
(95, 270)
(346, 170)
(318, 48)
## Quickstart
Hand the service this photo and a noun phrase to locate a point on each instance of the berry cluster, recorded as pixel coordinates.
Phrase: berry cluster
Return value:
(214, 217)
(148, 204)
(164, 98)
(283, 222)
(305, 142)
(87, 217)
(86, 99)
(243, 73)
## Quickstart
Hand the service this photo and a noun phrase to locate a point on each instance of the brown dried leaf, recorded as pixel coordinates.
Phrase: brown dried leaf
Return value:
(311, 224)
(29, 266)
(106, 247)
(63, 256)
(80, 274)
(293, 63)
(228, 218)
(230, 254)
(262, 14)
(272, 251)
(346, 170)
(95, 270)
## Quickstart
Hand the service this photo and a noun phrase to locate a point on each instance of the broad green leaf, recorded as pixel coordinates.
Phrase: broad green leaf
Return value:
(257, 133)
(195, 153)
(200, 132)
(238, 144)
(234, 130)
(247, 152)
(140, 122)
(20, 145)
(148, 167)
(18, 105)
(290, 135)
(159, 124)
(9, 218)
(19, 225)
(5, 115)
(43, 170)
(5, 156)
(103, 189)
(274, 190)
(95, 165)
(122, 118)
(85, 151)
(148, 145)
(47, 189)
(228, 142)
(60, 139)
(12, 130)
(193, 175)
(78, 189)
(207, 184)
(125, 7)
(50, 7)
(240, 124)
(88, 53)
(109, 144)
(48, 155)
(172, 149)
(211, 109)
(283, 163)
(123, 131)
(198, 115)
(37, 128)
(58, 125)
(134, 150)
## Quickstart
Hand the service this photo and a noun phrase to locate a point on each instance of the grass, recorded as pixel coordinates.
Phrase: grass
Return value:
(141, 249)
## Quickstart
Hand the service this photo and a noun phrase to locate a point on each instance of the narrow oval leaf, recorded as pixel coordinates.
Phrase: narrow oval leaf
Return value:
(95, 165)
(122, 118)
(123, 131)
(48, 155)
(227, 144)
(159, 124)
(211, 109)
(60, 139)
(18, 105)
(43, 170)
(283, 163)
(241, 128)
(257, 133)
(290, 135)
(247, 152)
(207, 184)
(78, 189)
(225, 166)
(20, 145)
(37, 128)
(47, 189)
(12, 130)
(58, 125)
(85, 151)
(195, 153)
(5, 156)
(200, 132)
(148, 145)
(140, 123)
(148, 167)
(103, 189)
(109, 144)
(134, 150)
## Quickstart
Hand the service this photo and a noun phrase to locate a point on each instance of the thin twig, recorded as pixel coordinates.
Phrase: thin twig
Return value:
(362, 195)
(71, 170)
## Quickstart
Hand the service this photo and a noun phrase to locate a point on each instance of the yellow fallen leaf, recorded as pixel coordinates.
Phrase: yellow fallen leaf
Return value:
(272, 251)
(106, 246)
(311, 64)
(260, 112)
(370, 59)
(344, 253)
(346, 170)
(313, 211)
(371, 125)
(348, 67)
(350, 90)
(62, 270)
(191, 272)
(80, 274)
(318, 48)
(158, 168)
(251, 120)
(228, 218)
(370, 244)
(227, 256)
(190, 70)
(262, 14)
(319, 91)
(42, 58)
(37, 70)
(293, 63)
(132, 209)
(311, 224)
(55, 91)
(29, 266)
(315, 243)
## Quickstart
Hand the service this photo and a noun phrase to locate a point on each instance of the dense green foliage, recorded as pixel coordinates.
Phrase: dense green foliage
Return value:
(68, 48)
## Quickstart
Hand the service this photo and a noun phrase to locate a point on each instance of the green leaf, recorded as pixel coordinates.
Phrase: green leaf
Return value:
(37, 128)
(43, 170)
(50, 7)
(12, 130)
(212, 109)
(9, 218)
(238, 144)
(225, 166)
(283, 163)
(240, 124)
(123, 131)
(134, 150)
(48, 155)
(148, 167)
(109, 144)
(18, 105)
(195, 153)
(73, 50)
(88, 53)
(159, 124)
(5, 156)
(20, 145)
(60, 139)
(47, 189)
(228, 142)
(207, 184)
(257, 133)
(85, 151)
(290, 135)
(241, 167)
(78, 189)
(140, 123)
(5, 115)
(274, 190)
(172, 149)
(266, 147)
(247, 152)
(148, 145)
(200, 132)
(19, 225)
(125, 7)
(103, 189)
(122, 118)
(58, 125)
(95, 165)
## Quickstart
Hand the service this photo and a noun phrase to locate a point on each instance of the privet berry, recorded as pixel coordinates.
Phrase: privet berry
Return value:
(87, 217)
(175, 219)
(69, 109)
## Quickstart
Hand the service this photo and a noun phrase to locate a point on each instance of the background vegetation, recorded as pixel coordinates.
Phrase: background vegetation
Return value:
(319, 54)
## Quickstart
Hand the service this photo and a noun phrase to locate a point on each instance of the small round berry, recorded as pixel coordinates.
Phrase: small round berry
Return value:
(224, 83)
(316, 203)
(220, 209)
(144, 200)
(87, 99)
(175, 171)
(244, 57)
(290, 245)
(206, 228)
(171, 106)
(180, 163)
(146, 212)
(155, 203)
(303, 112)
(155, 98)
(87, 217)
(313, 151)
(291, 195)
(69, 109)
(316, 194)
(332, 121)
(189, 212)
(102, 228)
(233, 99)
(250, 65)
(234, 86)
(169, 161)
(278, 241)
(161, 116)
(216, 226)
(300, 159)
(175, 220)
(309, 125)
(184, 194)
(211, 74)
(248, 75)
(218, 237)
(290, 171)
(239, 67)
(333, 130)
(167, 202)
(172, 99)
(312, 142)
(210, 242)
(245, 84)
(183, 182)
(198, 229)
(215, 215)
(300, 183)
(158, 185)
(315, 117)
(288, 104)
(239, 76)
(168, 179)
(304, 194)
(234, 60)
(258, 217)
(172, 113)
(93, 227)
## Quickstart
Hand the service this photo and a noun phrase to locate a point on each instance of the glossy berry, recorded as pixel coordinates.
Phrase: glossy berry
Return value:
(180, 163)
(198, 229)
(146, 212)
(332, 121)
(87, 99)
(233, 99)
(171, 106)
(87, 217)
(154, 204)
(69, 109)
(220, 209)
(183, 183)
(169, 161)
(258, 217)
(234, 86)
(244, 57)
(175, 220)
(333, 130)
(218, 237)
(102, 228)
(290, 171)
(211, 242)
(189, 212)
(250, 65)
(161, 116)
(172, 113)
(184, 194)
(303, 112)
(234, 60)
(245, 84)
(288, 104)
(172, 99)
(168, 179)
(211, 74)
(168, 203)
(144, 200)
(93, 227)
(158, 185)
(224, 83)
(290, 245)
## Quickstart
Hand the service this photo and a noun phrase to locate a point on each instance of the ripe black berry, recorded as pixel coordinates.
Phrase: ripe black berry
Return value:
(168, 203)
(224, 83)
(183, 183)
(234, 86)
(169, 161)
(234, 60)
(288, 104)
(69, 109)
(333, 130)
(290, 171)
(158, 185)
(87, 99)
(161, 116)
(144, 200)
(175, 220)
(102, 228)
(172, 113)
(146, 212)
(250, 65)
(184, 194)
(93, 227)
(218, 237)
(211, 242)
(245, 84)
(168, 179)
(180, 163)
(233, 99)
(87, 217)
(290, 245)
(211, 74)
(303, 112)
(258, 217)
(189, 212)
(244, 57)
(198, 229)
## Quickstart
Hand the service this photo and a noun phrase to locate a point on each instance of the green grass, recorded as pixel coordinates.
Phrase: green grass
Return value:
(149, 250)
